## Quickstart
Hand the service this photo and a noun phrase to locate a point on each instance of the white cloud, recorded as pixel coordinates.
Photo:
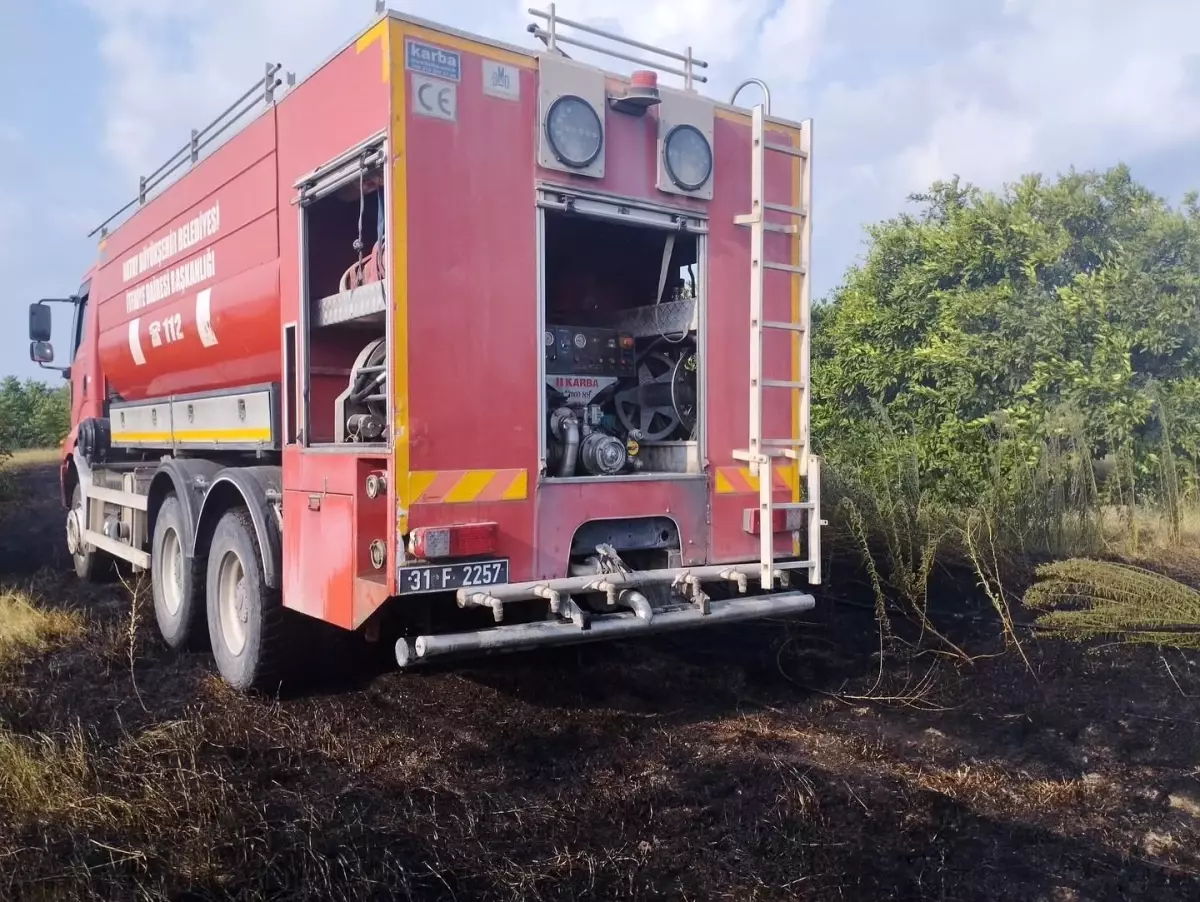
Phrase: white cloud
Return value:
(1072, 82)
(987, 90)
(174, 66)
(12, 212)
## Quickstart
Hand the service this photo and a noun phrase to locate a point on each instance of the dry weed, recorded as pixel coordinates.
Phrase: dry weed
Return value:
(27, 629)
(42, 776)
(1085, 599)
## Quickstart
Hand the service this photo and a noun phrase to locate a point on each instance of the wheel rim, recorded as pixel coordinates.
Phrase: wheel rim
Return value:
(172, 572)
(74, 533)
(232, 602)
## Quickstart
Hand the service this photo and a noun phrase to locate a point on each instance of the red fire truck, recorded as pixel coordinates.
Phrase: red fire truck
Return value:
(456, 335)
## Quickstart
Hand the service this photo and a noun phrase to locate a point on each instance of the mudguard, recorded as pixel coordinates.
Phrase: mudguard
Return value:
(255, 488)
(189, 481)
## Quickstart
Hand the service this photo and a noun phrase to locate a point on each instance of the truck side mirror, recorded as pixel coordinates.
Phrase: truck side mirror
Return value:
(40, 322)
(41, 352)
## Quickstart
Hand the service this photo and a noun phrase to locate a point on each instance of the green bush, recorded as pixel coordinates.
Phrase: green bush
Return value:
(1047, 327)
(32, 414)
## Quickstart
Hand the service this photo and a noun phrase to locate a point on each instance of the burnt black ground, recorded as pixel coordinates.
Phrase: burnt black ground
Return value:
(733, 764)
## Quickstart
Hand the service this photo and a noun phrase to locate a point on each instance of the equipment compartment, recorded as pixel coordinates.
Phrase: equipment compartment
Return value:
(345, 280)
(621, 326)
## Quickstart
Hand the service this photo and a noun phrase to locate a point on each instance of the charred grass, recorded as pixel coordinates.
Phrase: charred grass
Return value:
(780, 760)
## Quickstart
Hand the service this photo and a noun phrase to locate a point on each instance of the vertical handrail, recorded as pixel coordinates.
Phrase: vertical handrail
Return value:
(757, 245)
(747, 83)
(809, 462)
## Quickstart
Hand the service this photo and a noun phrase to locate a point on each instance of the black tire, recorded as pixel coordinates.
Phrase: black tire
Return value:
(179, 609)
(249, 641)
(90, 566)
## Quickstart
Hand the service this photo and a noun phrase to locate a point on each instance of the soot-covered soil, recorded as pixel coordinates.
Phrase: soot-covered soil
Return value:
(774, 761)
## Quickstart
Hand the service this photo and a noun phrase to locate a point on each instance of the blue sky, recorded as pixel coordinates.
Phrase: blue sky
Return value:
(902, 93)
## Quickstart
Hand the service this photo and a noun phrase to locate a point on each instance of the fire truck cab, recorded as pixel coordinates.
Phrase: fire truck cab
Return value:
(474, 340)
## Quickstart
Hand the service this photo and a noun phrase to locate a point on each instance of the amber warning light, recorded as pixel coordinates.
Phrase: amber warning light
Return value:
(463, 540)
(641, 94)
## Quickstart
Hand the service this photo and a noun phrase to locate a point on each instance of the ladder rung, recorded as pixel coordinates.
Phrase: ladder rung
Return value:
(752, 457)
(793, 565)
(784, 208)
(786, 148)
(793, 506)
(766, 455)
(785, 267)
(781, 442)
(782, 383)
(776, 324)
(749, 219)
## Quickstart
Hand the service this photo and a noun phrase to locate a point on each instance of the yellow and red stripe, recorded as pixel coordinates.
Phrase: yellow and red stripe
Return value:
(463, 486)
(739, 481)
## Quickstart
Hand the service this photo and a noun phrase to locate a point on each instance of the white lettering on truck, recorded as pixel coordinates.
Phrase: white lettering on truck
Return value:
(176, 281)
(159, 251)
(581, 389)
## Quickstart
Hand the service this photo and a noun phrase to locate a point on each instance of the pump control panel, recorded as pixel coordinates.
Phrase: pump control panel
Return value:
(578, 351)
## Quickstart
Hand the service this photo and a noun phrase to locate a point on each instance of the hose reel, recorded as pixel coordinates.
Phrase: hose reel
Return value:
(362, 408)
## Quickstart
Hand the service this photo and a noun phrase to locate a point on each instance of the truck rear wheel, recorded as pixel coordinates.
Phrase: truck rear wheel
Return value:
(176, 581)
(245, 618)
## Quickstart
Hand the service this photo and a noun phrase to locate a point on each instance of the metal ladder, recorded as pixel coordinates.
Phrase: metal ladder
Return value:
(764, 451)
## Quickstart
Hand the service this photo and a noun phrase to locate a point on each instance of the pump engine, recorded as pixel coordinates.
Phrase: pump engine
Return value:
(606, 398)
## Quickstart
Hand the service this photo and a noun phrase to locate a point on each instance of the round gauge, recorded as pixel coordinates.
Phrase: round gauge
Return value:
(688, 157)
(574, 131)
(549, 339)
(580, 340)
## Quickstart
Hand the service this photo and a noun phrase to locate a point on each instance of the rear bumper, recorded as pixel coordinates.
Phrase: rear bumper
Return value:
(688, 580)
(621, 624)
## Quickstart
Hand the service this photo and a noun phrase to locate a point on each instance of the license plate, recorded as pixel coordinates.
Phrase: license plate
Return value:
(443, 577)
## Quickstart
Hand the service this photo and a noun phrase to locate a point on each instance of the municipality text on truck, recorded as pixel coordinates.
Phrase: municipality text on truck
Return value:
(471, 339)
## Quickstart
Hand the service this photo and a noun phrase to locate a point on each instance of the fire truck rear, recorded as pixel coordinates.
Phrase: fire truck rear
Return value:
(485, 346)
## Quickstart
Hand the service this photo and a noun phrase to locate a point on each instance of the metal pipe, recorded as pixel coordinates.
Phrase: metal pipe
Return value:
(753, 81)
(559, 20)
(542, 34)
(258, 86)
(189, 151)
(600, 211)
(609, 626)
(555, 599)
(483, 600)
(638, 603)
(567, 427)
(814, 518)
(353, 173)
(635, 579)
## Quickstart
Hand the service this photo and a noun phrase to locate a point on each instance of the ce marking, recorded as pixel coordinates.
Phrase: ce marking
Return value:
(435, 98)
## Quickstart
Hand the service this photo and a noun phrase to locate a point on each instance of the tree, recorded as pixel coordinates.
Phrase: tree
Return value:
(993, 312)
(32, 414)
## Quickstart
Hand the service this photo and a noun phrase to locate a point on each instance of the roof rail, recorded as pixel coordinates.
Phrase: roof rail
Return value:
(551, 37)
(262, 91)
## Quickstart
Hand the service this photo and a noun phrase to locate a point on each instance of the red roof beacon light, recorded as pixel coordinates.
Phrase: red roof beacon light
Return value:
(641, 94)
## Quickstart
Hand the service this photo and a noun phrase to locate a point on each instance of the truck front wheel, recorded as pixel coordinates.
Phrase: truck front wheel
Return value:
(245, 617)
(90, 566)
(175, 580)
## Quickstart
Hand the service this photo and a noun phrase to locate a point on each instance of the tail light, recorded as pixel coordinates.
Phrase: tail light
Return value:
(462, 540)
